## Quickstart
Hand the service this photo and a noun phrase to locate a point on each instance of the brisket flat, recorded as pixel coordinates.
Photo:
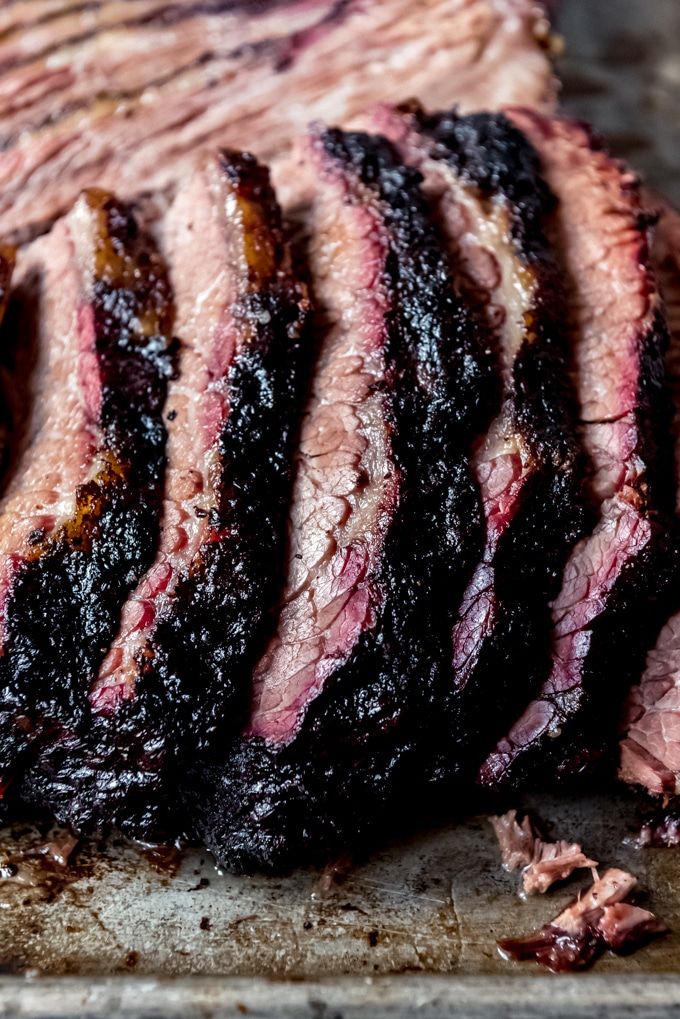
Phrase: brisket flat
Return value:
(177, 675)
(384, 520)
(650, 750)
(7, 262)
(78, 517)
(604, 610)
(125, 93)
(496, 209)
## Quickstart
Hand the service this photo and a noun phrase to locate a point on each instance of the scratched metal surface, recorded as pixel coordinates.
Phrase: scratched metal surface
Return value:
(411, 931)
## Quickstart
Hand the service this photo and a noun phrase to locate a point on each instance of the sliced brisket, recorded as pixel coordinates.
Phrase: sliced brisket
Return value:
(125, 93)
(384, 520)
(7, 261)
(496, 211)
(78, 518)
(176, 677)
(650, 751)
(603, 612)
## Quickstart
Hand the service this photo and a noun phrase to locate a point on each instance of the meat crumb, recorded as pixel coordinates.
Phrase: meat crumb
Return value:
(333, 874)
(542, 863)
(599, 919)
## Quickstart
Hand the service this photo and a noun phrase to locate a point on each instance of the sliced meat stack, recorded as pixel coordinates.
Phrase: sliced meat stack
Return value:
(345, 541)
(650, 750)
(79, 514)
(601, 616)
(496, 210)
(123, 94)
(384, 523)
(176, 677)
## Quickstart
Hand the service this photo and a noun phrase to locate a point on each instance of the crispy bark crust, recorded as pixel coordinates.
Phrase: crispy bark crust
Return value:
(64, 588)
(276, 801)
(192, 671)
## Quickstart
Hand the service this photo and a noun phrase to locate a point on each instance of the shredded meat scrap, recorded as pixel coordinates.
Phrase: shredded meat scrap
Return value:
(599, 919)
(543, 863)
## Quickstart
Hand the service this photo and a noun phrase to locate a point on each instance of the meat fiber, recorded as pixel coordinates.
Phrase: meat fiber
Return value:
(78, 517)
(604, 611)
(650, 750)
(542, 863)
(125, 93)
(384, 519)
(176, 678)
(597, 920)
(496, 212)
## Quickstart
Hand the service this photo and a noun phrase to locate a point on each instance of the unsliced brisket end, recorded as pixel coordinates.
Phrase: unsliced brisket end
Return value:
(176, 678)
(650, 749)
(125, 93)
(384, 519)
(613, 578)
(497, 213)
(78, 518)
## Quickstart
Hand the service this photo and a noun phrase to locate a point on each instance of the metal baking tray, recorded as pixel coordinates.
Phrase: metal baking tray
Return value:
(411, 930)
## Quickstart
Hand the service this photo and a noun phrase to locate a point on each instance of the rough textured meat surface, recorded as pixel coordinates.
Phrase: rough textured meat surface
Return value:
(384, 519)
(650, 750)
(177, 675)
(604, 609)
(496, 212)
(78, 518)
(124, 93)
(598, 920)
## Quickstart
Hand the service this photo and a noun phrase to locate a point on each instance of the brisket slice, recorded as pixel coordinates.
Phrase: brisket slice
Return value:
(604, 609)
(177, 675)
(650, 750)
(486, 180)
(79, 515)
(125, 93)
(7, 262)
(384, 520)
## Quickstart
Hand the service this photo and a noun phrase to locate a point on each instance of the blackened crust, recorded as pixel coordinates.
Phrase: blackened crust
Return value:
(268, 806)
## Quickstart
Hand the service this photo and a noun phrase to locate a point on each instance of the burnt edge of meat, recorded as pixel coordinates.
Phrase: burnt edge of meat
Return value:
(491, 154)
(360, 740)
(194, 689)
(63, 607)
